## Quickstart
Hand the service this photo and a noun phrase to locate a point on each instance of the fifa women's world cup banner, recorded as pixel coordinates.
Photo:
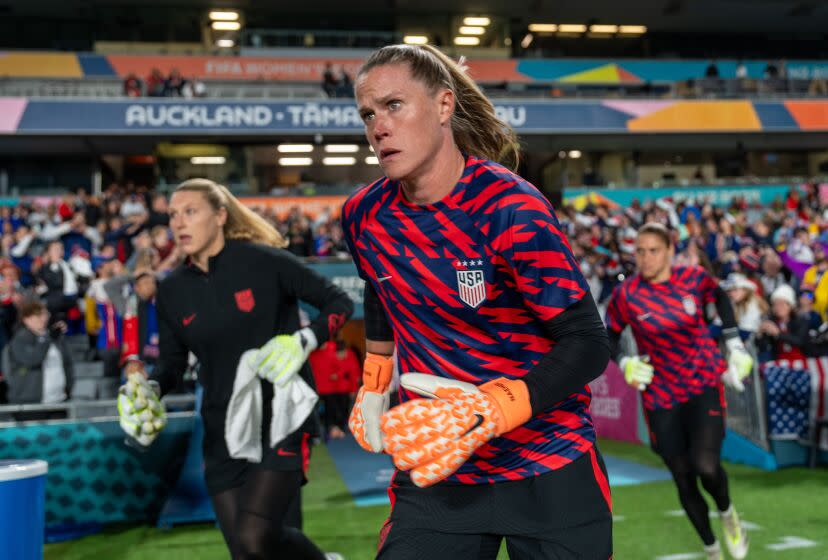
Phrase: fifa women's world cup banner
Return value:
(614, 406)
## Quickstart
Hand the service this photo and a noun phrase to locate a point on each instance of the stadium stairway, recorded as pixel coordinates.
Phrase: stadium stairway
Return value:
(90, 383)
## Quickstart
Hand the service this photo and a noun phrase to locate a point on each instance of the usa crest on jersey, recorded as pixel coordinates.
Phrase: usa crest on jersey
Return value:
(689, 303)
(471, 287)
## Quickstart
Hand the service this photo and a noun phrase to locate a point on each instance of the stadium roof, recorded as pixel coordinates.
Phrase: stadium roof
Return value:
(783, 16)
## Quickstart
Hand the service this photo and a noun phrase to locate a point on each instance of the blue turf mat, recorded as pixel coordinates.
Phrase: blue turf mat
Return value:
(367, 474)
(626, 473)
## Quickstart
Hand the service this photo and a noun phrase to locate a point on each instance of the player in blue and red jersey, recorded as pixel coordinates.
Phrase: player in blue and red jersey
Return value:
(470, 282)
(680, 371)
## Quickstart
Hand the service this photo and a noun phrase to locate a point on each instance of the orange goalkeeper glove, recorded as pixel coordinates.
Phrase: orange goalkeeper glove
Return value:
(434, 437)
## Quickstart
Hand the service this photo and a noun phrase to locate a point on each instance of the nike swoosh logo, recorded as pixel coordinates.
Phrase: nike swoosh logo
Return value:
(644, 316)
(383, 278)
(188, 320)
(478, 420)
(284, 453)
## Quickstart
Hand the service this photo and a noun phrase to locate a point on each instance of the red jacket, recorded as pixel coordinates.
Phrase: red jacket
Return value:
(332, 373)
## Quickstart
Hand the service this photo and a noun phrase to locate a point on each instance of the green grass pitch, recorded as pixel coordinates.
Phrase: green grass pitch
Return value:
(786, 504)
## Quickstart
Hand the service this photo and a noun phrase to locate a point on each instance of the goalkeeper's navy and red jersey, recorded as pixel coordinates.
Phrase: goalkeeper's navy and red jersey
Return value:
(668, 324)
(467, 283)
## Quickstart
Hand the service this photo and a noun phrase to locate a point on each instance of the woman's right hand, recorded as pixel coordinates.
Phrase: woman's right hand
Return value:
(769, 328)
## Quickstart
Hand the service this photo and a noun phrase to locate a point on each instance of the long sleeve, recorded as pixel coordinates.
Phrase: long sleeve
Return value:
(307, 285)
(580, 354)
(28, 350)
(172, 358)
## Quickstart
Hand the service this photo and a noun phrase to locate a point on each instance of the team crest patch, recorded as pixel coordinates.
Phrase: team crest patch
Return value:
(471, 287)
(245, 301)
(689, 303)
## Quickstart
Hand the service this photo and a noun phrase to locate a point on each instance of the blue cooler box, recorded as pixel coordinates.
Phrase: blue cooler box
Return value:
(22, 508)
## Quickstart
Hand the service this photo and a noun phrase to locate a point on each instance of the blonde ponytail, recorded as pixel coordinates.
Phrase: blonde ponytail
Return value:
(242, 222)
(477, 130)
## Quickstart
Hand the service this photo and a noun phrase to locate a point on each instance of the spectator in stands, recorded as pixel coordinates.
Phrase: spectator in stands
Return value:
(161, 241)
(760, 232)
(806, 310)
(748, 306)
(9, 298)
(120, 236)
(741, 70)
(712, 71)
(133, 206)
(133, 87)
(300, 238)
(140, 327)
(799, 248)
(74, 234)
(58, 281)
(174, 83)
(816, 281)
(110, 335)
(37, 362)
(21, 254)
(329, 81)
(145, 258)
(158, 215)
(336, 371)
(155, 83)
(345, 87)
(140, 242)
(322, 246)
(199, 88)
(772, 275)
(783, 335)
(66, 207)
(91, 208)
(338, 246)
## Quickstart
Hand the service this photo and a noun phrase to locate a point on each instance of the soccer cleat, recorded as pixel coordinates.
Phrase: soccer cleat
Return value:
(735, 536)
(713, 551)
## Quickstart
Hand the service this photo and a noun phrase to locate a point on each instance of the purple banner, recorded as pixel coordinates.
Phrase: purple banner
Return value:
(614, 406)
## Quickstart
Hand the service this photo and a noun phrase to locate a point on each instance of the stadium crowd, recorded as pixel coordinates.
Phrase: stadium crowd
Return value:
(771, 260)
(89, 265)
(94, 263)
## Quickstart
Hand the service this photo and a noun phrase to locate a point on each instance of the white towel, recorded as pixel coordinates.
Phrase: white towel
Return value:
(292, 404)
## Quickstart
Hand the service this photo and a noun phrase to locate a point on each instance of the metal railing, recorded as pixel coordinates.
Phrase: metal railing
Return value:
(705, 88)
(113, 88)
(105, 409)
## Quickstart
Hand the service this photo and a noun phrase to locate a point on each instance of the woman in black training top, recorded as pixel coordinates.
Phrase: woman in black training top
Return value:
(239, 290)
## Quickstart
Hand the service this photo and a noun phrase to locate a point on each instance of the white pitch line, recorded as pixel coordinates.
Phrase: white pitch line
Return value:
(791, 542)
(681, 556)
(714, 515)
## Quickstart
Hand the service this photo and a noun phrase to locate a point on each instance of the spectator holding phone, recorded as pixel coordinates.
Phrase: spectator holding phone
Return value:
(37, 361)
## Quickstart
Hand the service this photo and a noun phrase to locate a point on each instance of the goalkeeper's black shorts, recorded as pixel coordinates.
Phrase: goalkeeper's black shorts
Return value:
(690, 427)
(565, 513)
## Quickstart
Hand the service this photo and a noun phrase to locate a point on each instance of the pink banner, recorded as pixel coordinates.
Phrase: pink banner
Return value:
(11, 110)
(614, 406)
(287, 69)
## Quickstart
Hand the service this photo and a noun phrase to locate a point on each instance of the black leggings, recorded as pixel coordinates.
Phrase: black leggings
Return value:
(689, 439)
(252, 518)
(705, 466)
